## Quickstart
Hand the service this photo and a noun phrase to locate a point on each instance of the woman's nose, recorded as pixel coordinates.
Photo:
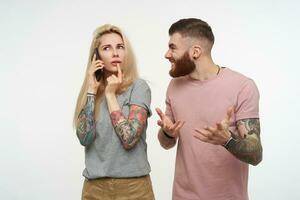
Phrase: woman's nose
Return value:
(115, 53)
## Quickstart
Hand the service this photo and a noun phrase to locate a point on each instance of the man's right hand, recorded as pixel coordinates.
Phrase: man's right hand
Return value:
(170, 128)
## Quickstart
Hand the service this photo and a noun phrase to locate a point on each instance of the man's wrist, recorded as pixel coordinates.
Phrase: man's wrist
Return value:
(229, 141)
(167, 135)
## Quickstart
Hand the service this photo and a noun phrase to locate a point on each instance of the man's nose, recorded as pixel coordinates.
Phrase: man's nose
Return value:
(168, 54)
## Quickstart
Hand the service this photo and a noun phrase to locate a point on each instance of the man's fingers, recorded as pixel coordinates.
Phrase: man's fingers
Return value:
(203, 132)
(229, 113)
(210, 129)
(178, 127)
(160, 113)
(172, 128)
(181, 125)
(201, 137)
(219, 126)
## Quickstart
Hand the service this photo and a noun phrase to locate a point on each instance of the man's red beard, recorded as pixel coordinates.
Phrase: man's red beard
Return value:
(183, 66)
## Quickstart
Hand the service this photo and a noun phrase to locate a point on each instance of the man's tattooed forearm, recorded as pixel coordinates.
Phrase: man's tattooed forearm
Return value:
(86, 129)
(248, 148)
(251, 125)
(129, 130)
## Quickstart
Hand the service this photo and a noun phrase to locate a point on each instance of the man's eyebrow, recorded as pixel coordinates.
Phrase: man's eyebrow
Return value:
(171, 45)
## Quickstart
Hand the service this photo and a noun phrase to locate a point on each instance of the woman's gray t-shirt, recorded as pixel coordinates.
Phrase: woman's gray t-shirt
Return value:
(106, 156)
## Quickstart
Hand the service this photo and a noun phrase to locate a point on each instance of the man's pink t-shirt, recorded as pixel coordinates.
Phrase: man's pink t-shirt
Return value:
(205, 171)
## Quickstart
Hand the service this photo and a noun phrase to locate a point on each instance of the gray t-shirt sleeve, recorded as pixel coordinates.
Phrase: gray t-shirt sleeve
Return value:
(141, 95)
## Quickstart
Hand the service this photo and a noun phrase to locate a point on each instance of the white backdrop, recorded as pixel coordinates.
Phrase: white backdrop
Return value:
(43, 55)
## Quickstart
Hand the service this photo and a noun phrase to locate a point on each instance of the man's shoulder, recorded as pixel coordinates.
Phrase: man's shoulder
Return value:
(236, 76)
(239, 80)
(231, 72)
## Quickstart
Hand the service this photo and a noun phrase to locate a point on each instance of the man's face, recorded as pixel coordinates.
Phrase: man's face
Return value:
(178, 55)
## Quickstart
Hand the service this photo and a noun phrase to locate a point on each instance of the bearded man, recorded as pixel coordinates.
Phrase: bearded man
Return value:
(212, 114)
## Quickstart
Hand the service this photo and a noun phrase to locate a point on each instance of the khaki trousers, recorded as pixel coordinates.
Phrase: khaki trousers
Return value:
(138, 188)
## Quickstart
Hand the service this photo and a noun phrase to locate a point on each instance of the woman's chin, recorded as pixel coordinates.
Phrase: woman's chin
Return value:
(111, 69)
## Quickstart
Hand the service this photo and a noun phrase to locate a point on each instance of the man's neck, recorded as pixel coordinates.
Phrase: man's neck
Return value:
(205, 69)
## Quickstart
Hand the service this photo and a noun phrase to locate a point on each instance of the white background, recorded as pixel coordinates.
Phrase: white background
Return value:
(43, 54)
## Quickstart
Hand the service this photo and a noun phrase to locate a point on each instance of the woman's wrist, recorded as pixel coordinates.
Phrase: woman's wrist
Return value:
(91, 94)
(109, 94)
(110, 97)
(92, 91)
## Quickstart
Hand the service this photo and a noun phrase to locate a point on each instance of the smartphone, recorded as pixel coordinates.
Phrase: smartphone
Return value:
(99, 72)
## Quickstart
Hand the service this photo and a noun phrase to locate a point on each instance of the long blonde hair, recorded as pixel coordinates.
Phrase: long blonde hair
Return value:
(129, 70)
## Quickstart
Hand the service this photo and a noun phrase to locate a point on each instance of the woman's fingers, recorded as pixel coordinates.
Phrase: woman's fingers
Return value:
(120, 74)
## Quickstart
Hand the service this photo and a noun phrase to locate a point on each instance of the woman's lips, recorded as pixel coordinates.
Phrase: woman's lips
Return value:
(115, 63)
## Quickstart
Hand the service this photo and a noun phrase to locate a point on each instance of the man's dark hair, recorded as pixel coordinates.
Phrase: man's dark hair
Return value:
(193, 27)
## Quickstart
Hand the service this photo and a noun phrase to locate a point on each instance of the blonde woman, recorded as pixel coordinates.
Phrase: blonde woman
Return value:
(111, 121)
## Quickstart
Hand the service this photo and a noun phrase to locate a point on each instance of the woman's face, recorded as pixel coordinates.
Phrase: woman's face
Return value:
(112, 51)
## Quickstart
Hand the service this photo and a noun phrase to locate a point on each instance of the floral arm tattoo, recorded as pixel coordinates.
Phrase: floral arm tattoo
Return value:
(248, 148)
(129, 130)
(86, 128)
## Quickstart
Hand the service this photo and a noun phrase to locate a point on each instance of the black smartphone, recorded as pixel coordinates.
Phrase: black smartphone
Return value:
(99, 72)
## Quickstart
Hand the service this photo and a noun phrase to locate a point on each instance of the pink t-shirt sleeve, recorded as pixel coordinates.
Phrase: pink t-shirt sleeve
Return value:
(247, 101)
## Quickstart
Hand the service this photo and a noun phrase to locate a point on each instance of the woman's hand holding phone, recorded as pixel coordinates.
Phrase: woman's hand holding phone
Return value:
(92, 81)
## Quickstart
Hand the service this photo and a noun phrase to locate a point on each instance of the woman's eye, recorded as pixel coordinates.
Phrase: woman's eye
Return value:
(121, 47)
(106, 48)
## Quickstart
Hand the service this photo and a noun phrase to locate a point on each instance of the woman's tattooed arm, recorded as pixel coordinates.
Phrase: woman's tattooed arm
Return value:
(86, 128)
(129, 130)
(248, 147)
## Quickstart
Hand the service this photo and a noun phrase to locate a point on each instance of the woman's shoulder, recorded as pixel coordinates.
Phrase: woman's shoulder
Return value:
(140, 83)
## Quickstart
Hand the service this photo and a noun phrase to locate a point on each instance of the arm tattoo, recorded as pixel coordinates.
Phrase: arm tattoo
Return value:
(86, 128)
(248, 148)
(129, 130)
